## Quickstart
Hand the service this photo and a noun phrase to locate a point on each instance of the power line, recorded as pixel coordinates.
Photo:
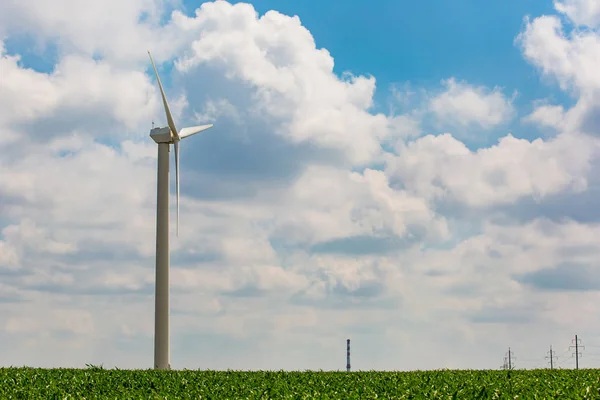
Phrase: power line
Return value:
(560, 358)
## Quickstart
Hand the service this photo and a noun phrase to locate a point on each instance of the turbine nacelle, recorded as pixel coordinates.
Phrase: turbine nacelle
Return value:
(162, 135)
(165, 135)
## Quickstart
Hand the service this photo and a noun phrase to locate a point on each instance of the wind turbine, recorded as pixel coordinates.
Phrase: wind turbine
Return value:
(164, 137)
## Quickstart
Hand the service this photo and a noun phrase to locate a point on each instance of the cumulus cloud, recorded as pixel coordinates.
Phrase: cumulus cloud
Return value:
(581, 12)
(570, 60)
(113, 30)
(358, 204)
(463, 104)
(441, 167)
(78, 94)
(546, 115)
(295, 81)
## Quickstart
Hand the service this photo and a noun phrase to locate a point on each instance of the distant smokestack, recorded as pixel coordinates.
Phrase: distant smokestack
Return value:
(348, 355)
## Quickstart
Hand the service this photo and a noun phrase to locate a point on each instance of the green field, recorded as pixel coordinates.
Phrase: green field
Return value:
(96, 383)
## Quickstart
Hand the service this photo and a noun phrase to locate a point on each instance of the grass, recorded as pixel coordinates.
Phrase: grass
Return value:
(97, 383)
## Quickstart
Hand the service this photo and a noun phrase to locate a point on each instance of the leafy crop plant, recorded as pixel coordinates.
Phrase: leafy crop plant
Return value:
(99, 383)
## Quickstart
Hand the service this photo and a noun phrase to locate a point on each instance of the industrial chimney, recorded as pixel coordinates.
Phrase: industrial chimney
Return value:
(347, 355)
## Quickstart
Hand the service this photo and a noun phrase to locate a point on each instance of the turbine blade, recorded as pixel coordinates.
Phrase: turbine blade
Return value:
(165, 104)
(176, 145)
(192, 130)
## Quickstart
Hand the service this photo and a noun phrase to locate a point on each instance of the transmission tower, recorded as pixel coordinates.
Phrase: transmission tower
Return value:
(509, 360)
(577, 354)
(552, 356)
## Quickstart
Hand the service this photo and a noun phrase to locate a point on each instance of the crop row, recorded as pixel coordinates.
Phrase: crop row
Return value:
(95, 383)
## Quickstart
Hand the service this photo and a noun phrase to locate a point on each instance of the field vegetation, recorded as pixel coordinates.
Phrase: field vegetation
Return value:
(98, 383)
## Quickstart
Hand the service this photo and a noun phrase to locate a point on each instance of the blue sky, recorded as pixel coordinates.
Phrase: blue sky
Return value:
(422, 43)
(463, 219)
(425, 42)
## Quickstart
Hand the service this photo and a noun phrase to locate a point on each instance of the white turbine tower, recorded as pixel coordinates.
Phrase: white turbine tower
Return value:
(164, 137)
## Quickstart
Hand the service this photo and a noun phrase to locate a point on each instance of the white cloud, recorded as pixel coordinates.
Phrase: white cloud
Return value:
(356, 204)
(570, 59)
(27, 234)
(120, 32)
(463, 104)
(9, 258)
(214, 109)
(65, 320)
(21, 325)
(294, 80)
(441, 167)
(78, 87)
(581, 12)
(547, 115)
